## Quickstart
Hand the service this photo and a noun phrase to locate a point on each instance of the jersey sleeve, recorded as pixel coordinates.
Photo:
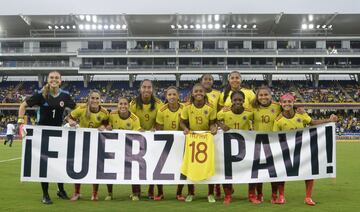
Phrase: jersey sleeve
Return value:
(70, 103)
(160, 117)
(306, 118)
(221, 99)
(36, 99)
(185, 113)
(212, 114)
(132, 106)
(75, 114)
(276, 126)
(137, 124)
(220, 115)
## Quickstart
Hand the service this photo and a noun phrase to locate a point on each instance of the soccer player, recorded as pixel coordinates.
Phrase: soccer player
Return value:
(122, 119)
(52, 102)
(234, 84)
(145, 106)
(91, 115)
(289, 119)
(213, 95)
(168, 118)
(207, 81)
(265, 112)
(199, 114)
(234, 117)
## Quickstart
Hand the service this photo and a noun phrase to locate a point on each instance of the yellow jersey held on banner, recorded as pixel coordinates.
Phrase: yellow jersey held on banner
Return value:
(199, 159)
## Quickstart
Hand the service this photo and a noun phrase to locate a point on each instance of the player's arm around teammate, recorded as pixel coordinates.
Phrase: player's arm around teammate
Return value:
(52, 102)
(122, 119)
(90, 115)
(168, 118)
(145, 106)
(289, 119)
(234, 117)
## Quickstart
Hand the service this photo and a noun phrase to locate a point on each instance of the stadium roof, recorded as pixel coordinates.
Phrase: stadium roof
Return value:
(64, 7)
(272, 24)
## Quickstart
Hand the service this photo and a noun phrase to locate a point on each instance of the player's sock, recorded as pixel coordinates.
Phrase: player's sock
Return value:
(191, 189)
(211, 189)
(179, 189)
(45, 188)
(61, 187)
(309, 186)
(110, 188)
(160, 190)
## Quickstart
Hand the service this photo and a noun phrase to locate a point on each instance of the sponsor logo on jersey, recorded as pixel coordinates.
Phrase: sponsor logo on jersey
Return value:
(62, 103)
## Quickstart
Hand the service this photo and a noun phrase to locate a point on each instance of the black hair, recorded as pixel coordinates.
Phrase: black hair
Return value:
(138, 99)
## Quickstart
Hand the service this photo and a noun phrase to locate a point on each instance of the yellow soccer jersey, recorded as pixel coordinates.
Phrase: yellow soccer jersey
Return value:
(249, 97)
(236, 121)
(95, 120)
(198, 118)
(264, 117)
(131, 123)
(297, 122)
(170, 120)
(199, 159)
(146, 116)
(213, 97)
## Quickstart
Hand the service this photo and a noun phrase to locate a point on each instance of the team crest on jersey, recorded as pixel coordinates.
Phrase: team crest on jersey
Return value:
(206, 112)
(62, 103)
(98, 118)
(244, 118)
(167, 116)
(128, 124)
(213, 95)
(272, 111)
(298, 120)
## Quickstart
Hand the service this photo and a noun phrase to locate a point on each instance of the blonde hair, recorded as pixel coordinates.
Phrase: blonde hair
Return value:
(46, 89)
(88, 112)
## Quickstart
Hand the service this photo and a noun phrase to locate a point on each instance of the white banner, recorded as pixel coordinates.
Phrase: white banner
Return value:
(55, 154)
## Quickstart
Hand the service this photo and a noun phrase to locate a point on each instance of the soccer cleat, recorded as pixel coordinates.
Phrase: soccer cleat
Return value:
(180, 197)
(309, 201)
(75, 197)
(134, 197)
(94, 197)
(46, 200)
(189, 198)
(273, 198)
(62, 195)
(211, 198)
(253, 200)
(108, 197)
(227, 199)
(260, 197)
(151, 196)
(281, 200)
(159, 197)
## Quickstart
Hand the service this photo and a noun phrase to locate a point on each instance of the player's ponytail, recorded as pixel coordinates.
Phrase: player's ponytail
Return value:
(45, 91)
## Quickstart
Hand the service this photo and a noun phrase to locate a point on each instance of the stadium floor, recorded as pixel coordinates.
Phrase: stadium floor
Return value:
(340, 194)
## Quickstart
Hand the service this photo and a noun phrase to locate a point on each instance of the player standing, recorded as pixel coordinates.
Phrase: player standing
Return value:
(52, 102)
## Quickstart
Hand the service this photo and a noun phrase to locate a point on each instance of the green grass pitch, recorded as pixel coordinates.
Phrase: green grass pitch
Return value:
(340, 194)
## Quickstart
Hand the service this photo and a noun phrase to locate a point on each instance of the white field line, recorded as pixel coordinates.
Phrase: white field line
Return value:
(3, 161)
